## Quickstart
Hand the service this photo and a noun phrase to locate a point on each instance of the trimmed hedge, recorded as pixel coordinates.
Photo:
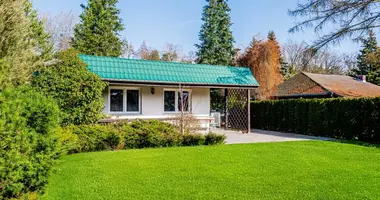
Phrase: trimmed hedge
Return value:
(136, 135)
(349, 119)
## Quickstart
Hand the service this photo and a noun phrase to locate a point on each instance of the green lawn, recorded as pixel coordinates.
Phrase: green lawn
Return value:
(293, 170)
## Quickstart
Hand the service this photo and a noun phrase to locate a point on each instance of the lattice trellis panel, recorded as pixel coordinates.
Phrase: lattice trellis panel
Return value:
(237, 110)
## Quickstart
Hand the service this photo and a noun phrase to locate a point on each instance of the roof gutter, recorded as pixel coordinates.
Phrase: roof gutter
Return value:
(175, 84)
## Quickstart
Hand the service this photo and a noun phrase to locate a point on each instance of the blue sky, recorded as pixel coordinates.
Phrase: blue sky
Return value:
(178, 21)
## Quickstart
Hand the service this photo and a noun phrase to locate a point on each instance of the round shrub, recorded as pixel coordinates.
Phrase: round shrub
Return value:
(77, 91)
(28, 144)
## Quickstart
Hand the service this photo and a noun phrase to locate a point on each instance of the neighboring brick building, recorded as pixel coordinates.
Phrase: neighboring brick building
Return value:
(308, 85)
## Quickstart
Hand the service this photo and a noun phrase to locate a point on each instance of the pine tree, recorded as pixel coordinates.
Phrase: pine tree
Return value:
(368, 60)
(99, 30)
(39, 38)
(369, 47)
(216, 40)
(17, 54)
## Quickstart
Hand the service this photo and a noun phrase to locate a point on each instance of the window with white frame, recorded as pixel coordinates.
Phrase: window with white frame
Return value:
(174, 101)
(124, 100)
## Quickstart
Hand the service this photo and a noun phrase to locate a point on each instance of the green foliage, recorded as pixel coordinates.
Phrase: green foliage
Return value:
(136, 135)
(99, 30)
(90, 138)
(214, 139)
(28, 144)
(17, 51)
(349, 119)
(368, 60)
(217, 42)
(193, 139)
(77, 91)
(39, 38)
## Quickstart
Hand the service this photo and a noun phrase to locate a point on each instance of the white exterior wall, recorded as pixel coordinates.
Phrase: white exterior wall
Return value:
(152, 106)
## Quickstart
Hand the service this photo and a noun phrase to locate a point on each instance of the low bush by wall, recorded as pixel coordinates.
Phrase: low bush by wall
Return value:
(349, 119)
(136, 135)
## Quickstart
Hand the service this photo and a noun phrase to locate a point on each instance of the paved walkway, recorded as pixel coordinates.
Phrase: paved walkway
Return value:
(260, 136)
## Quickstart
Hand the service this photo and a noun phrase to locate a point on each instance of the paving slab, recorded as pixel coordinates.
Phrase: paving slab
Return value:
(261, 136)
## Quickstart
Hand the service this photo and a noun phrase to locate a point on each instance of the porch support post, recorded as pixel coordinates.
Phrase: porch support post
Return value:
(226, 108)
(249, 110)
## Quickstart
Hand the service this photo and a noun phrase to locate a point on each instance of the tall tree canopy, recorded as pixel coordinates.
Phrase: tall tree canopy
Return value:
(216, 41)
(263, 57)
(368, 60)
(369, 48)
(24, 44)
(350, 18)
(40, 38)
(99, 30)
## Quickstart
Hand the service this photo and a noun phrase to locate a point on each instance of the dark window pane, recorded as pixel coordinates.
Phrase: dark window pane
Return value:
(185, 100)
(116, 100)
(169, 101)
(133, 102)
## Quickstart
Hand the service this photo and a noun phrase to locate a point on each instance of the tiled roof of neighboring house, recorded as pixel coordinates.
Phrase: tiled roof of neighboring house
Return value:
(143, 71)
(338, 85)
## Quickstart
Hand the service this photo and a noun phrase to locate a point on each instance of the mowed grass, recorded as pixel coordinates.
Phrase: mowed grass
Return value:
(292, 170)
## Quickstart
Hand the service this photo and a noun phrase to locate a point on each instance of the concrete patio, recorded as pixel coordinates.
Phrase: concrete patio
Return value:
(261, 136)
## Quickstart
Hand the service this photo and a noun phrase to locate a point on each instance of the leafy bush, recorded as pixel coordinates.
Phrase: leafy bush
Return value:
(193, 139)
(77, 91)
(94, 138)
(28, 143)
(151, 133)
(349, 119)
(136, 135)
(214, 139)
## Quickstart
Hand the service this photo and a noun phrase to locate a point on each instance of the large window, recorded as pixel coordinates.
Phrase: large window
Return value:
(124, 100)
(117, 100)
(169, 101)
(174, 101)
(133, 104)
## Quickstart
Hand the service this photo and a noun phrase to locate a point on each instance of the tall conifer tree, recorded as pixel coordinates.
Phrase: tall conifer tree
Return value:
(370, 47)
(39, 38)
(216, 40)
(99, 30)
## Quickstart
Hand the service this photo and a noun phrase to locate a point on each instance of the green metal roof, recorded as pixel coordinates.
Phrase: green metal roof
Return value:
(133, 70)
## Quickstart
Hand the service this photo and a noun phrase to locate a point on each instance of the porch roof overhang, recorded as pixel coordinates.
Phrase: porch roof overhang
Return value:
(158, 73)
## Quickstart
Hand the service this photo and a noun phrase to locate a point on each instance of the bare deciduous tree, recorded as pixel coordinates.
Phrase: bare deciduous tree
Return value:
(171, 52)
(61, 28)
(351, 18)
(127, 49)
(302, 58)
(191, 57)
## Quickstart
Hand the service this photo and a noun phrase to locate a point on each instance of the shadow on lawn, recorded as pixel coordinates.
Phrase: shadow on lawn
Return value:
(355, 142)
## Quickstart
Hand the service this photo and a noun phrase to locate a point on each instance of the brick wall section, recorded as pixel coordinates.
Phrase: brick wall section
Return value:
(299, 84)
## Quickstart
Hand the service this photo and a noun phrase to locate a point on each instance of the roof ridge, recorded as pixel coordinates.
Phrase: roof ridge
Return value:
(160, 61)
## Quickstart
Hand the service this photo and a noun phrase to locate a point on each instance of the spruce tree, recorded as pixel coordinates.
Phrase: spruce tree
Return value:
(368, 60)
(369, 47)
(216, 40)
(99, 30)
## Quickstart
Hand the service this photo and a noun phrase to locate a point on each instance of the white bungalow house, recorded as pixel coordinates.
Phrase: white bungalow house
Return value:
(140, 89)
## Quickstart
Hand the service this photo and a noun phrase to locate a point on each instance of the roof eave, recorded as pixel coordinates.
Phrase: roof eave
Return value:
(164, 83)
